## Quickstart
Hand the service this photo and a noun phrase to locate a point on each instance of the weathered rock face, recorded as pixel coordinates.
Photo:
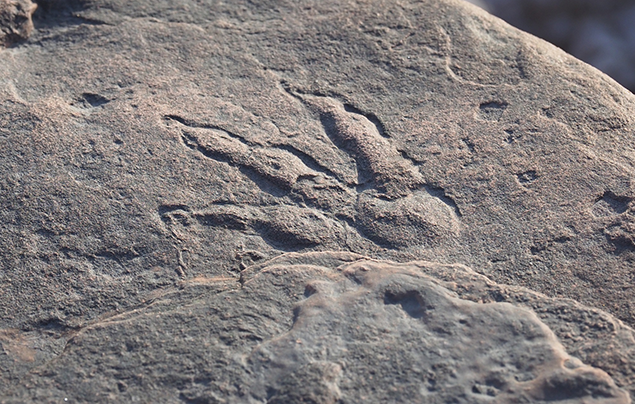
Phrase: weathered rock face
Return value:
(187, 189)
(335, 327)
(15, 20)
(599, 32)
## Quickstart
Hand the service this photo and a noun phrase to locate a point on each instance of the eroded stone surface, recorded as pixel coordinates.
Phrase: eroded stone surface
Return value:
(327, 328)
(15, 20)
(600, 33)
(389, 333)
(153, 150)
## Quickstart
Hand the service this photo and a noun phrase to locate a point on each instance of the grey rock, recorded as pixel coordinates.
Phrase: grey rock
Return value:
(15, 20)
(333, 327)
(599, 32)
(175, 174)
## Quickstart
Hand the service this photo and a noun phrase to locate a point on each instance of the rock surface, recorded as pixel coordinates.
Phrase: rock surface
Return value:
(335, 327)
(188, 189)
(599, 32)
(15, 20)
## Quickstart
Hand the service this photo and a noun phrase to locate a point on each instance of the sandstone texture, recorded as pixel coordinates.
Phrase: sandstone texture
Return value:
(15, 20)
(310, 202)
(601, 33)
(337, 327)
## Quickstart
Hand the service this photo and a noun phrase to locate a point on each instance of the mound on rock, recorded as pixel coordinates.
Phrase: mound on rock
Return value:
(327, 328)
(157, 152)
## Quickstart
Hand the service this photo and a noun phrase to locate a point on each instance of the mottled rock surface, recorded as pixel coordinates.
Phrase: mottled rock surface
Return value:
(189, 188)
(601, 33)
(15, 20)
(334, 327)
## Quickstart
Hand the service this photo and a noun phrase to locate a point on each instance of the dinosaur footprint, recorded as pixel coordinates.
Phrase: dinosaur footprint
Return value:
(284, 227)
(395, 207)
(388, 203)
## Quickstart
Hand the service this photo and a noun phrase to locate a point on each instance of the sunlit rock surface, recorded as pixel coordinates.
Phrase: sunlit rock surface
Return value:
(189, 188)
(601, 33)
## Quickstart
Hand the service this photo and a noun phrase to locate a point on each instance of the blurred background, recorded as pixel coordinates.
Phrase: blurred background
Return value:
(600, 32)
